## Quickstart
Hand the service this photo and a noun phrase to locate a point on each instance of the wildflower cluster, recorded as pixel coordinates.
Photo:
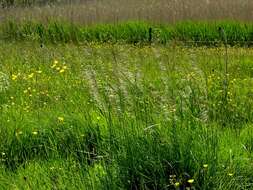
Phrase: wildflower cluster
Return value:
(61, 68)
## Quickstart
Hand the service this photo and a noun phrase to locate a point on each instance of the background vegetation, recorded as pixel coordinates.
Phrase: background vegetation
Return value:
(111, 11)
(189, 33)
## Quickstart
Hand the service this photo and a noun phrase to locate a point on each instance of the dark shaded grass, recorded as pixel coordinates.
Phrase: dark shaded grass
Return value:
(54, 142)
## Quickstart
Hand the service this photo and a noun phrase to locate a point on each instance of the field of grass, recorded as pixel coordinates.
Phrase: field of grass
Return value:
(188, 33)
(122, 116)
(129, 95)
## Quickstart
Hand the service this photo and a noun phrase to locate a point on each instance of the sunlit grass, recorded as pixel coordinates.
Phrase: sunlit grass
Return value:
(188, 33)
(124, 117)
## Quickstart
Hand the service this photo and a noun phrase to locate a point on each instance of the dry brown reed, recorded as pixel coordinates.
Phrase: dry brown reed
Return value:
(104, 11)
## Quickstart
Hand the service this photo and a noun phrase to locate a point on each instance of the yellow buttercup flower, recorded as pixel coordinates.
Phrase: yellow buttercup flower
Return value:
(14, 77)
(177, 184)
(35, 132)
(62, 71)
(190, 181)
(61, 119)
(205, 165)
(30, 76)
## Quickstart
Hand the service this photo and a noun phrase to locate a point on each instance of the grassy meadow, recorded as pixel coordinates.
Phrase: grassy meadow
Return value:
(118, 116)
(126, 95)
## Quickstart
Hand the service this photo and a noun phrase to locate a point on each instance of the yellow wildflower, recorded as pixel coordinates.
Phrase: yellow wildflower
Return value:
(14, 77)
(190, 181)
(177, 184)
(60, 119)
(30, 76)
(205, 165)
(230, 174)
(35, 132)
(62, 71)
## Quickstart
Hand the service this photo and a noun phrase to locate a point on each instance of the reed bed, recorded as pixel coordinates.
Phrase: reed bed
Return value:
(113, 11)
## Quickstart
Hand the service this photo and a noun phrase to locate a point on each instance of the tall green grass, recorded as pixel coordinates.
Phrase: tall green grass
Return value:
(193, 33)
(124, 117)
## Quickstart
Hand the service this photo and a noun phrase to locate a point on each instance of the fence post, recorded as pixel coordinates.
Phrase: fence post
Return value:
(150, 35)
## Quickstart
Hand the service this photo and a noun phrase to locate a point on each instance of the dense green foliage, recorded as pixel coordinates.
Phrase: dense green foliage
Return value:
(124, 117)
(193, 33)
